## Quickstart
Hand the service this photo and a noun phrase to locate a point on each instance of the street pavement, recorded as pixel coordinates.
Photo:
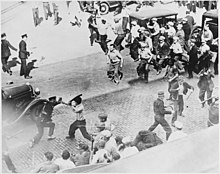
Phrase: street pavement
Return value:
(69, 72)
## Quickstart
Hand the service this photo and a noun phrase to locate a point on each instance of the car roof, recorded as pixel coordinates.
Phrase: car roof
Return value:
(150, 13)
(211, 14)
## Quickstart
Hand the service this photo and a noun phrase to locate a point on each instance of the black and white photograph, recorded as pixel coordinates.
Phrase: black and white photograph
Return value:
(110, 86)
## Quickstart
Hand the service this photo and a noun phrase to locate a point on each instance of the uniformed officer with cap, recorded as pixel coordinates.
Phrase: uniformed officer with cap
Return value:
(159, 111)
(45, 120)
(80, 122)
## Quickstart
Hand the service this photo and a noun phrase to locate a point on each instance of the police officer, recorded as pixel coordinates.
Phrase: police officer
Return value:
(44, 120)
(159, 111)
(80, 123)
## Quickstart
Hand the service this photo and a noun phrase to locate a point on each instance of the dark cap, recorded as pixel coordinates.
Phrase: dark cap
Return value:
(160, 93)
(3, 35)
(24, 35)
(77, 99)
(52, 98)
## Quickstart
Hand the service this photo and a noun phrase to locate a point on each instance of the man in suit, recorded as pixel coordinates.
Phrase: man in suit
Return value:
(193, 57)
(23, 55)
(5, 45)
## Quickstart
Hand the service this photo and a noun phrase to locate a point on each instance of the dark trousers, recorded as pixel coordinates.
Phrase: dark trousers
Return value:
(81, 125)
(8, 162)
(5, 67)
(161, 120)
(40, 127)
(191, 67)
(92, 38)
(143, 69)
(178, 107)
(202, 94)
(119, 39)
(24, 71)
(103, 43)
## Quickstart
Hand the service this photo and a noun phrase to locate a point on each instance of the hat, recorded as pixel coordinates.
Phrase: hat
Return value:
(144, 132)
(175, 38)
(154, 19)
(160, 93)
(142, 29)
(178, 125)
(24, 35)
(106, 133)
(101, 143)
(203, 40)
(180, 24)
(170, 23)
(3, 35)
(134, 23)
(52, 98)
(102, 115)
(180, 78)
(161, 38)
(184, 19)
(77, 99)
(83, 146)
(126, 140)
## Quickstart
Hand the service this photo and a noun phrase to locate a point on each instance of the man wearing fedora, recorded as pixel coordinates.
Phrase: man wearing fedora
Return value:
(45, 120)
(5, 45)
(23, 55)
(159, 111)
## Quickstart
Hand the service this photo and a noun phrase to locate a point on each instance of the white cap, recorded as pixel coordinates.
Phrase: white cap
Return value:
(170, 23)
(134, 22)
(154, 19)
(106, 133)
(126, 140)
(178, 125)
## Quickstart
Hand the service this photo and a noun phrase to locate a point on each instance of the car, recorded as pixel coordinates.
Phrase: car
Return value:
(208, 18)
(163, 16)
(20, 101)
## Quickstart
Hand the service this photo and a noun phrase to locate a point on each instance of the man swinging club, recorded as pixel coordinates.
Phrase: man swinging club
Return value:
(77, 107)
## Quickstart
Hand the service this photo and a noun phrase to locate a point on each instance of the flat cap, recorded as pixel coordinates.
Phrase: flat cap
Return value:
(161, 38)
(154, 19)
(170, 23)
(106, 133)
(102, 115)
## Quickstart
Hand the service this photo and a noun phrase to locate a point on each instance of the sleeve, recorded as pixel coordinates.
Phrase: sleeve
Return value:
(22, 48)
(162, 110)
(13, 48)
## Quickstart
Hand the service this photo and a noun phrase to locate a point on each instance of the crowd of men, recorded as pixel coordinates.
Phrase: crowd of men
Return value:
(168, 46)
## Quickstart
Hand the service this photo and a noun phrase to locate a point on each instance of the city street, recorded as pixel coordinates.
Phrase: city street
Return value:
(66, 66)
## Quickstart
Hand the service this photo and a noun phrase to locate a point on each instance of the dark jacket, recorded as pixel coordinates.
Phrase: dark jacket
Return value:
(159, 108)
(23, 53)
(173, 90)
(190, 21)
(5, 48)
(193, 55)
(187, 31)
(205, 82)
(164, 50)
(47, 111)
(92, 21)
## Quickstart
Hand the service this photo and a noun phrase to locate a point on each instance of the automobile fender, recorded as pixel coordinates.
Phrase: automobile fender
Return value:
(30, 106)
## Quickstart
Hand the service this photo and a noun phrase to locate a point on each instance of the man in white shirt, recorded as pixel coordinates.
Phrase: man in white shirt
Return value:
(64, 162)
(207, 35)
(134, 30)
(178, 134)
(128, 150)
(170, 32)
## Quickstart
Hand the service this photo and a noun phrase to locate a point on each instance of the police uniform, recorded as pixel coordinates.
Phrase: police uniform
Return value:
(80, 122)
(160, 112)
(44, 120)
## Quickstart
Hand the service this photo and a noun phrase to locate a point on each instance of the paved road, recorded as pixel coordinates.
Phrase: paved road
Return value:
(128, 104)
